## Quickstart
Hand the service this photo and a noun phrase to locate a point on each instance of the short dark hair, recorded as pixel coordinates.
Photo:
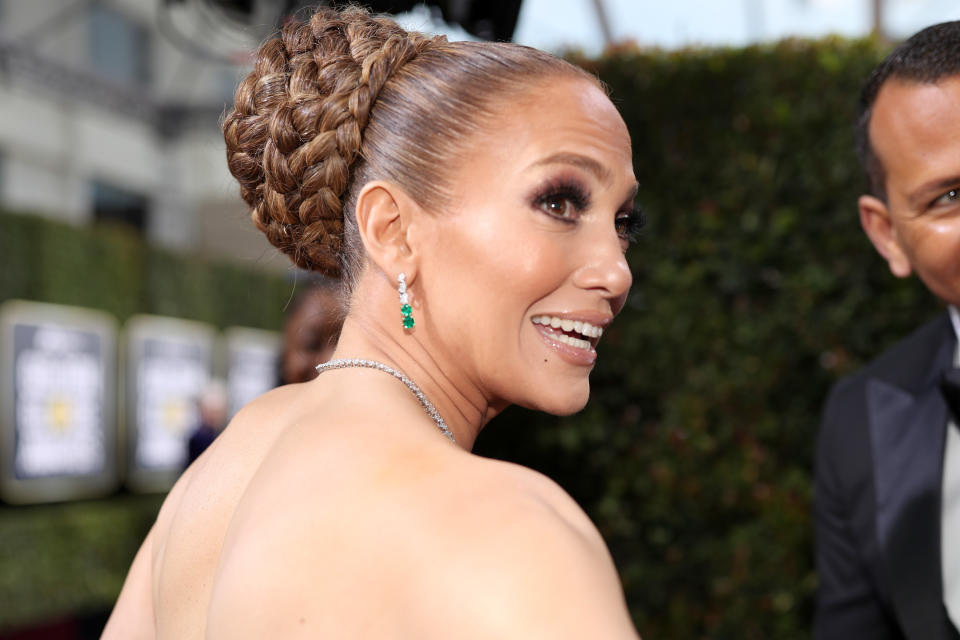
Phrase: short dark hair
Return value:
(926, 57)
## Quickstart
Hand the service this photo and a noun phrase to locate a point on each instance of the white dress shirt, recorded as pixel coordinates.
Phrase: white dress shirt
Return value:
(950, 506)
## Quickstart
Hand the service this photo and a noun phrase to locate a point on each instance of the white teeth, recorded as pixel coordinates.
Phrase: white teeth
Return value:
(591, 331)
(573, 342)
(583, 328)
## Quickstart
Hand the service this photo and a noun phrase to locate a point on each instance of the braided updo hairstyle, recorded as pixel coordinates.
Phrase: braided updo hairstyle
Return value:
(347, 97)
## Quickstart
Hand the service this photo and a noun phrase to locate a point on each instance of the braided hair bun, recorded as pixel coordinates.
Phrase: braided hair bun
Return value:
(297, 125)
(349, 97)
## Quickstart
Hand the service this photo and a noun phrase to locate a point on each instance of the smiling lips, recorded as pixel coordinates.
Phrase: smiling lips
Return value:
(574, 333)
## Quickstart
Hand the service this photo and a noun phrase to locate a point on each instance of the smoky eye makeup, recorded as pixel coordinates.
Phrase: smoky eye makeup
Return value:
(564, 198)
(557, 196)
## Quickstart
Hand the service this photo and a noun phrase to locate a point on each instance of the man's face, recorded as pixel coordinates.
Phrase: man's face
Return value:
(915, 132)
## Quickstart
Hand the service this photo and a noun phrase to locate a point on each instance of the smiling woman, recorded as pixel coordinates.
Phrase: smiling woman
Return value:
(477, 200)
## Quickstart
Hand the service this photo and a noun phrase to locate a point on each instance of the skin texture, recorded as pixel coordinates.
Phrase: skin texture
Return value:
(321, 514)
(310, 335)
(915, 131)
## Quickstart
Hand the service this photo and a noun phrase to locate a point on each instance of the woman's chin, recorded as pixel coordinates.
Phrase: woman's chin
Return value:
(562, 405)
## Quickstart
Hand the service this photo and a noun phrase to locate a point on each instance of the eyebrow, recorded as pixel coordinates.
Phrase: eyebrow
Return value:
(576, 160)
(921, 193)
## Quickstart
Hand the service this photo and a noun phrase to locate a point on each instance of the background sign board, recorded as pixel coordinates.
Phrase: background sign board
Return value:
(251, 357)
(167, 363)
(57, 402)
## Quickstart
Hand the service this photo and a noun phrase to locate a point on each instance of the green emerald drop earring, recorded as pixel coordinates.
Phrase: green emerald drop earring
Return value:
(405, 308)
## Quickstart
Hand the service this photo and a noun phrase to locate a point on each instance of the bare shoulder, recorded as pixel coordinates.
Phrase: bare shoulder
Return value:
(203, 498)
(271, 405)
(222, 471)
(413, 545)
(534, 565)
(180, 552)
(514, 487)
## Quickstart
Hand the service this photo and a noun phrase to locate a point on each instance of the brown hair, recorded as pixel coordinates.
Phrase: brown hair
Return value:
(345, 98)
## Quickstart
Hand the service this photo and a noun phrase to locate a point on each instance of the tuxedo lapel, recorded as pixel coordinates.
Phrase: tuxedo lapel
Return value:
(908, 418)
(907, 440)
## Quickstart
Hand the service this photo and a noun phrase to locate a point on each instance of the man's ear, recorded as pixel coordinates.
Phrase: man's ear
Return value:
(876, 222)
(384, 213)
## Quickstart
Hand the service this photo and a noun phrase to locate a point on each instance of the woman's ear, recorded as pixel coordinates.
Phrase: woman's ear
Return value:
(384, 214)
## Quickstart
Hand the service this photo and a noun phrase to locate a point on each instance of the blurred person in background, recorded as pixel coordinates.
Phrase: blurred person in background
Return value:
(477, 200)
(310, 330)
(887, 475)
(212, 413)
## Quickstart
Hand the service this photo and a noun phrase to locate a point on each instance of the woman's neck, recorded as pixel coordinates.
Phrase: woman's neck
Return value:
(461, 403)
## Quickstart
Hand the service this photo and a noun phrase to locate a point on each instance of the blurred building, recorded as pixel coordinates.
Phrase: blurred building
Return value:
(109, 112)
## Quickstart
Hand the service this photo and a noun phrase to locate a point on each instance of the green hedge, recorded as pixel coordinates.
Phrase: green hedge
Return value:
(755, 289)
(70, 558)
(112, 269)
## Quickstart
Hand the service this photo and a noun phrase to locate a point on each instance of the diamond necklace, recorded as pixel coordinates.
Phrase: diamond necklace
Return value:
(346, 363)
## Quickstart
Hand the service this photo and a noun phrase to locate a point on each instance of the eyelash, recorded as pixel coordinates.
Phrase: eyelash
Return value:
(633, 222)
(629, 223)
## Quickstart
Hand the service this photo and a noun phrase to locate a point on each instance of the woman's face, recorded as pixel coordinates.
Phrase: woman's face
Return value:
(536, 237)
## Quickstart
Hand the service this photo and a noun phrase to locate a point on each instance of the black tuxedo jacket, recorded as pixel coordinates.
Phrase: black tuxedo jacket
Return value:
(877, 492)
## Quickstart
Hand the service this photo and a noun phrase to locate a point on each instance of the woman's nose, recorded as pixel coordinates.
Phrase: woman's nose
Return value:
(606, 269)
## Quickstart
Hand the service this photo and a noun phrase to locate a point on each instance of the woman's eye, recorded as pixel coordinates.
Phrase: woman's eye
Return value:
(629, 225)
(622, 224)
(949, 197)
(558, 206)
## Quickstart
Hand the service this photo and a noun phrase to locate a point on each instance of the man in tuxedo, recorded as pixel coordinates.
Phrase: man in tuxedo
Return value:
(887, 473)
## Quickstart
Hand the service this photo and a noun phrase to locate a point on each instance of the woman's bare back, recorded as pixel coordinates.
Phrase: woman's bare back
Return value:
(301, 520)
(168, 587)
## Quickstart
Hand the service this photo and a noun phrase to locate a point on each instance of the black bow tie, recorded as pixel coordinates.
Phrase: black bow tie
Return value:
(950, 387)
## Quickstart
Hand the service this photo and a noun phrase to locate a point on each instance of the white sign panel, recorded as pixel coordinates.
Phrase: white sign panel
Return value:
(58, 380)
(252, 360)
(58, 386)
(168, 363)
